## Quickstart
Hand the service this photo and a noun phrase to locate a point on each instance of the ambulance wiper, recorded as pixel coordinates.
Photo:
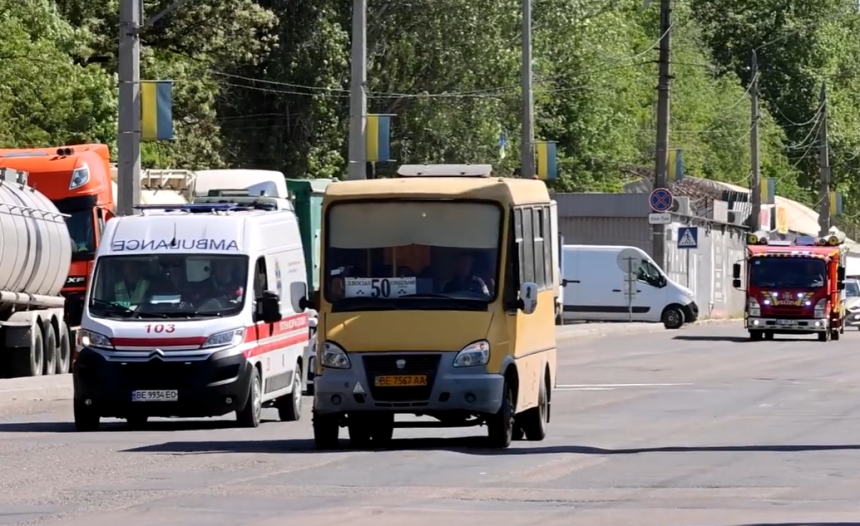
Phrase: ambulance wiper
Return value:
(109, 306)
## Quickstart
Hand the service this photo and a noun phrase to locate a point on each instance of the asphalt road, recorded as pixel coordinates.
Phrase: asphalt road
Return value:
(694, 427)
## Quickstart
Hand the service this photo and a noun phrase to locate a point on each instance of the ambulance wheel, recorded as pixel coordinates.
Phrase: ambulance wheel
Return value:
(673, 317)
(249, 416)
(86, 417)
(290, 407)
(49, 345)
(137, 421)
(326, 430)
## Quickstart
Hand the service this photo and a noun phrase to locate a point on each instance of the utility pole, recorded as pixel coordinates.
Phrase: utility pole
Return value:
(755, 178)
(658, 235)
(128, 142)
(357, 168)
(527, 141)
(824, 160)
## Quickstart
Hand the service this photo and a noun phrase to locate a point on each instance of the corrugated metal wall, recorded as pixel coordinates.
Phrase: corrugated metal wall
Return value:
(622, 219)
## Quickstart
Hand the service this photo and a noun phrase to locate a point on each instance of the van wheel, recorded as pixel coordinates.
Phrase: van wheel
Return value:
(49, 344)
(534, 420)
(86, 417)
(673, 317)
(500, 426)
(249, 416)
(326, 430)
(290, 407)
(64, 350)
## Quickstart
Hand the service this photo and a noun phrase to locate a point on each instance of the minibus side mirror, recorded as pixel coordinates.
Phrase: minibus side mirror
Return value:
(528, 297)
(736, 272)
(299, 296)
(269, 307)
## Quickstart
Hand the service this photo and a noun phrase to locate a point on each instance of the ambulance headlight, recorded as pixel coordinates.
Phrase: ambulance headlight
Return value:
(93, 339)
(473, 355)
(223, 339)
(334, 357)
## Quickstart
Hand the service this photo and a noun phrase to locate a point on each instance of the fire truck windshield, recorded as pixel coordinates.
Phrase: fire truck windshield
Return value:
(787, 272)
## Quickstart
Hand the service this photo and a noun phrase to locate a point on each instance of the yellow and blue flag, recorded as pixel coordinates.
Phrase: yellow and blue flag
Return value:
(156, 110)
(378, 138)
(547, 167)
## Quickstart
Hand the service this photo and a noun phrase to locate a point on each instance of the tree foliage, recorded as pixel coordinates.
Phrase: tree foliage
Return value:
(265, 83)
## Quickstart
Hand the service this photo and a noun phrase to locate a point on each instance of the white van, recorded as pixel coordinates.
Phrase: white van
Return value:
(194, 311)
(598, 287)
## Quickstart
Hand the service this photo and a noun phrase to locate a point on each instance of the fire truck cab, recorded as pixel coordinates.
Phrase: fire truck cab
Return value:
(793, 287)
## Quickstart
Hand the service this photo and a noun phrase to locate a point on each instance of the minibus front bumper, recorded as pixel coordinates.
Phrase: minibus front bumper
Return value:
(417, 383)
(213, 386)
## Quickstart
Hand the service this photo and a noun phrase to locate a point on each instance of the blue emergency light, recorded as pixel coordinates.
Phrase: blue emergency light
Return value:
(194, 208)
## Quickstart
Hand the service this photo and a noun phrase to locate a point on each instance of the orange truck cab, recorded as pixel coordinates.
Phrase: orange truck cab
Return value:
(78, 181)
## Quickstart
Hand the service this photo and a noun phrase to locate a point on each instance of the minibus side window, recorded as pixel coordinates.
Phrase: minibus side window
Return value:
(513, 269)
(547, 247)
(539, 242)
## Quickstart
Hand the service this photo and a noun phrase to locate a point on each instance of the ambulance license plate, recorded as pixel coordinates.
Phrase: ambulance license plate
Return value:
(401, 380)
(154, 396)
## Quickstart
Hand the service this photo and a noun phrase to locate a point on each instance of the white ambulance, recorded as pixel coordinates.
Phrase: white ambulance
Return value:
(195, 311)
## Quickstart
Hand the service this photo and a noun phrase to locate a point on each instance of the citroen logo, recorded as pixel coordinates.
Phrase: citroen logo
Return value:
(400, 364)
(157, 353)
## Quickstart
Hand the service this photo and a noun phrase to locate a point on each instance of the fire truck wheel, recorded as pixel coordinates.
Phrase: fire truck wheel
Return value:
(756, 335)
(824, 336)
(768, 335)
(834, 335)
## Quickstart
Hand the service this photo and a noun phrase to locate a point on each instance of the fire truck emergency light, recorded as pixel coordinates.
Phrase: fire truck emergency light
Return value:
(836, 238)
(758, 238)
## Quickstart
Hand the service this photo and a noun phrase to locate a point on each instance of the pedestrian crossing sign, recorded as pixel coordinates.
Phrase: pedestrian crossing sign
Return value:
(688, 237)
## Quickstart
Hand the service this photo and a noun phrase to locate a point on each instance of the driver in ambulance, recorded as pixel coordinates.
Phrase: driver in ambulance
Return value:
(223, 279)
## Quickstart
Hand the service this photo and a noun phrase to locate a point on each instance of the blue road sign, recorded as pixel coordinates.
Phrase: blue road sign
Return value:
(661, 200)
(688, 237)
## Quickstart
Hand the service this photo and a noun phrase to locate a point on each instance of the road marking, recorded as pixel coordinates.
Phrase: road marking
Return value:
(562, 388)
(613, 386)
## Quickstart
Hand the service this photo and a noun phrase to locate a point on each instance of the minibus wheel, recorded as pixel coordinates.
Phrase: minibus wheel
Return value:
(326, 430)
(500, 426)
(534, 420)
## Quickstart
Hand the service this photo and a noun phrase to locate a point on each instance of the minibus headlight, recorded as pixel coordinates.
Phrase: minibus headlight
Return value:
(334, 357)
(93, 339)
(222, 339)
(473, 355)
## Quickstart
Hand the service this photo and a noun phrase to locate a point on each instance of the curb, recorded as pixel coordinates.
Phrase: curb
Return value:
(606, 329)
(51, 388)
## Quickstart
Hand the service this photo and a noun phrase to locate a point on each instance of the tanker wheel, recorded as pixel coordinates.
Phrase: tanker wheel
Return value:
(49, 346)
(28, 361)
(64, 350)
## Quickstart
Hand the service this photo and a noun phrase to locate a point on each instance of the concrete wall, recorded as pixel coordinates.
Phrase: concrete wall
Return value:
(622, 219)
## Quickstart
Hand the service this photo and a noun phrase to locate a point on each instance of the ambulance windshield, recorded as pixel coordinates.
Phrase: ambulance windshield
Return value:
(787, 272)
(438, 252)
(169, 286)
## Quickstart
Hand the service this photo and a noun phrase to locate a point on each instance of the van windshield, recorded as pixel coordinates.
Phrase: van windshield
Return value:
(387, 254)
(169, 286)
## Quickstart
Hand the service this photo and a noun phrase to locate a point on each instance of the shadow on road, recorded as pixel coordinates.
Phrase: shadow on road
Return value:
(117, 426)
(469, 445)
(736, 339)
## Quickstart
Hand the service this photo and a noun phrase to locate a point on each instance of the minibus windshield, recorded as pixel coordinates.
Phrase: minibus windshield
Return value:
(169, 286)
(379, 253)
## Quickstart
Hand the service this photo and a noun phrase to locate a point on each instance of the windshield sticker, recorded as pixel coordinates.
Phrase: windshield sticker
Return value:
(379, 287)
(130, 245)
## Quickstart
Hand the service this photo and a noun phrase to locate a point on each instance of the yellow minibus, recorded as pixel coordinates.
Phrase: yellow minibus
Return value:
(436, 300)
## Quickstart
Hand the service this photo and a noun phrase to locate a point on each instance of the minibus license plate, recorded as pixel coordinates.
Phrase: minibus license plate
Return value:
(402, 380)
(154, 396)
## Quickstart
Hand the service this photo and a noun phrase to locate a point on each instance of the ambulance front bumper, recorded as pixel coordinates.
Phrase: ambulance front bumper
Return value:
(788, 325)
(210, 387)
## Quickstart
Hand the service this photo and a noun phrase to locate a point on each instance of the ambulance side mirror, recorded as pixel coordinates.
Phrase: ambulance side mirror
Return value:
(299, 296)
(269, 307)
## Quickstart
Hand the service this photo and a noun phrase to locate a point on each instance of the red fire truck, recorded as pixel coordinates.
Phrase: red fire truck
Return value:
(793, 287)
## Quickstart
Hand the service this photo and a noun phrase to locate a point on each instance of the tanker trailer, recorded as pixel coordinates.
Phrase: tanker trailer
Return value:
(35, 253)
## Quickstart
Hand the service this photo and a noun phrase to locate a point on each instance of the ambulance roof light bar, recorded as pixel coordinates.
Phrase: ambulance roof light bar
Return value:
(445, 170)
